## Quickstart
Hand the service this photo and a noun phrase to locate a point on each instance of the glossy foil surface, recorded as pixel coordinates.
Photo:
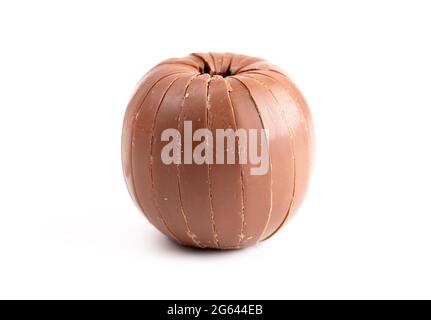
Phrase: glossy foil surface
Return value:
(209, 205)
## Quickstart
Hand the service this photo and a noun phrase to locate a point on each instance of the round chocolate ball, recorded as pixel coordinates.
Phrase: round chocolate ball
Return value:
(217, 149)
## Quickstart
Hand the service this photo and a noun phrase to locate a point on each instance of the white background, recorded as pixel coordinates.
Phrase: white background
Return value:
(68, 228)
